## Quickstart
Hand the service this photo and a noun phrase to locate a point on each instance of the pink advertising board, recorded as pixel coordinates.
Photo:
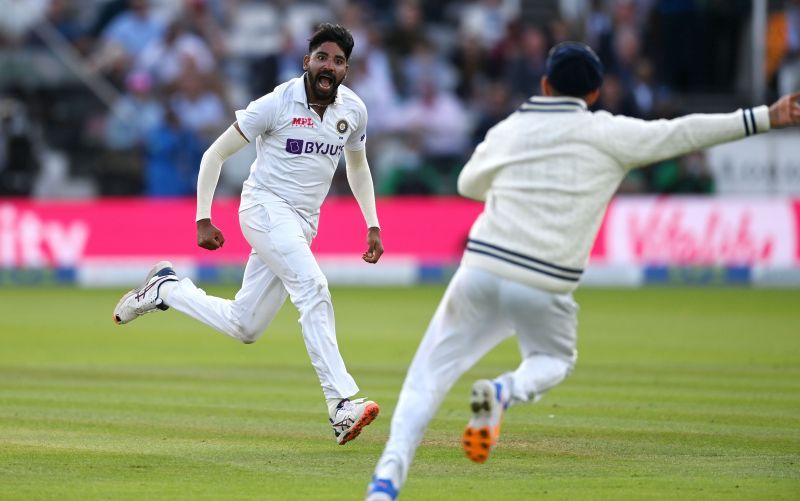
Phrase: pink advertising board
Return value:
(66, 233)
(637, 230)
(701, 231)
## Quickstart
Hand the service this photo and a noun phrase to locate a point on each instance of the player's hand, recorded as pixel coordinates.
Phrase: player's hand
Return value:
(375, 250)
(208, 236)
(785, 112)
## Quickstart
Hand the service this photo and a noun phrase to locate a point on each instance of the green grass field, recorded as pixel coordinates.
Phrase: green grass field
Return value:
(677, 394)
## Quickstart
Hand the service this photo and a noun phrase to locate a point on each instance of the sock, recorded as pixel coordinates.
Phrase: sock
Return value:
(333, 404)
(389, 469)
(506, 382)
(166, 288)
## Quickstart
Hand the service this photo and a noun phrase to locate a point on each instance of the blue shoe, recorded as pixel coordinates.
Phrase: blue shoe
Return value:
(381, 489)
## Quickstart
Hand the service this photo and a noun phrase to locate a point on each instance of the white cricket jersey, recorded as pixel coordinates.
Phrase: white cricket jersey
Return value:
(549, 170)
(297, 152)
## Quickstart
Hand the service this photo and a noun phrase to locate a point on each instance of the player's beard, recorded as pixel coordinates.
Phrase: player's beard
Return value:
(319, 93)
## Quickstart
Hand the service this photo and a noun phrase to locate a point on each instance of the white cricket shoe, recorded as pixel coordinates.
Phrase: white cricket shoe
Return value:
(351, 417)
(483, 429)
(146, 298)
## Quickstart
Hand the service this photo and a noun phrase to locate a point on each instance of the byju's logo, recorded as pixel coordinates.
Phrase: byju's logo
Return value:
(299, 147)
(294, 146)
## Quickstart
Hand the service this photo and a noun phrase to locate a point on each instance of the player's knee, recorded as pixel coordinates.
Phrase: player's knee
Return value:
(247, 334)
(313, 290)
(248, 338)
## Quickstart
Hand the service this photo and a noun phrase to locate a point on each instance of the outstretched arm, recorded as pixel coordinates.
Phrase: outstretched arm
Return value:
(637, 142)
(360, 180)
(785, 112)
(232, 140)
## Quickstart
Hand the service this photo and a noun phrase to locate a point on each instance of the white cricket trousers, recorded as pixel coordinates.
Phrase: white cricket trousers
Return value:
(280, 264)
(478, 311)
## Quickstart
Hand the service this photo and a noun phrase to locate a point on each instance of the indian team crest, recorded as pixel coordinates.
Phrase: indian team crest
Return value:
(342, 126)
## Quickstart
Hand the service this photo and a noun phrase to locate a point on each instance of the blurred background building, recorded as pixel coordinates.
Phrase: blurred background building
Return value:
(121, 97)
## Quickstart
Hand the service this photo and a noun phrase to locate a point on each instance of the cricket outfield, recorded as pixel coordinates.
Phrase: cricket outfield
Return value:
(677, 394)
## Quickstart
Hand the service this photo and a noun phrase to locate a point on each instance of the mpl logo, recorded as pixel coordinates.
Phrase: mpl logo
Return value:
(302, 122)
(298, 147)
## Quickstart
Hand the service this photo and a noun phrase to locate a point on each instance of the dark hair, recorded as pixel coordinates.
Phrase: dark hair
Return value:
(335, 33)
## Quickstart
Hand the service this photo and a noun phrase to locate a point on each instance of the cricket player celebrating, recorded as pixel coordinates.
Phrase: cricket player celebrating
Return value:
(300, 130)
(546, 174)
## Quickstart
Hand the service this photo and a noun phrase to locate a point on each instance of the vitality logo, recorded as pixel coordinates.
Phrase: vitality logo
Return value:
(300, 147)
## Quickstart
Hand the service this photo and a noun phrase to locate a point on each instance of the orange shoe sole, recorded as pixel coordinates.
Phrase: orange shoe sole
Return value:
(370, 413)
(478, 443)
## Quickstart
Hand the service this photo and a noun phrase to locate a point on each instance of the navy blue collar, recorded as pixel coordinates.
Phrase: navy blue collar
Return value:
(554, 104)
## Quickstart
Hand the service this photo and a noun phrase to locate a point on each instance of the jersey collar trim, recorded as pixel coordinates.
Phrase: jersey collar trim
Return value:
(554, 104)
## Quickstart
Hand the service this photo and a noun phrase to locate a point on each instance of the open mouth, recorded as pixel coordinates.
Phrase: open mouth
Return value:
(325, 82)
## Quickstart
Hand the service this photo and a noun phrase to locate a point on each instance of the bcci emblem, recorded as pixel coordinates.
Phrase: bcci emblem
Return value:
(342, 126)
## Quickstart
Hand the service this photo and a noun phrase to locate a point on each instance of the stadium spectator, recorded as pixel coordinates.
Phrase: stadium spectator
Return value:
(439, 122)
(526, 63)
(255, 45)
(496, 106)
(125, 37)
(177, 52)
(134, 115)
(402, 36)
(783, 47)
(474, 67)
(19, 162)
(627, 52)
(599, 30)
(616, 98)
(370, 77)
(423, 66)
(172, 153)
(103, 14)
(127, 126)
(560, 31)
(133, 29)
(547, 175)
(61, 16)
(487, 19)
(646, 93)
(354, 16)
(269, 69)
(198, 106)
(205, 21)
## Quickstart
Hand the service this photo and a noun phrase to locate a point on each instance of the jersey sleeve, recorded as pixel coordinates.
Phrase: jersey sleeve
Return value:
(637, 142)
(259, 116)
(358, 139)
(476, 177)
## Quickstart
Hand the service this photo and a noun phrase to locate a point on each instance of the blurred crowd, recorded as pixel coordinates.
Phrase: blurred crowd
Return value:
(121, 97)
